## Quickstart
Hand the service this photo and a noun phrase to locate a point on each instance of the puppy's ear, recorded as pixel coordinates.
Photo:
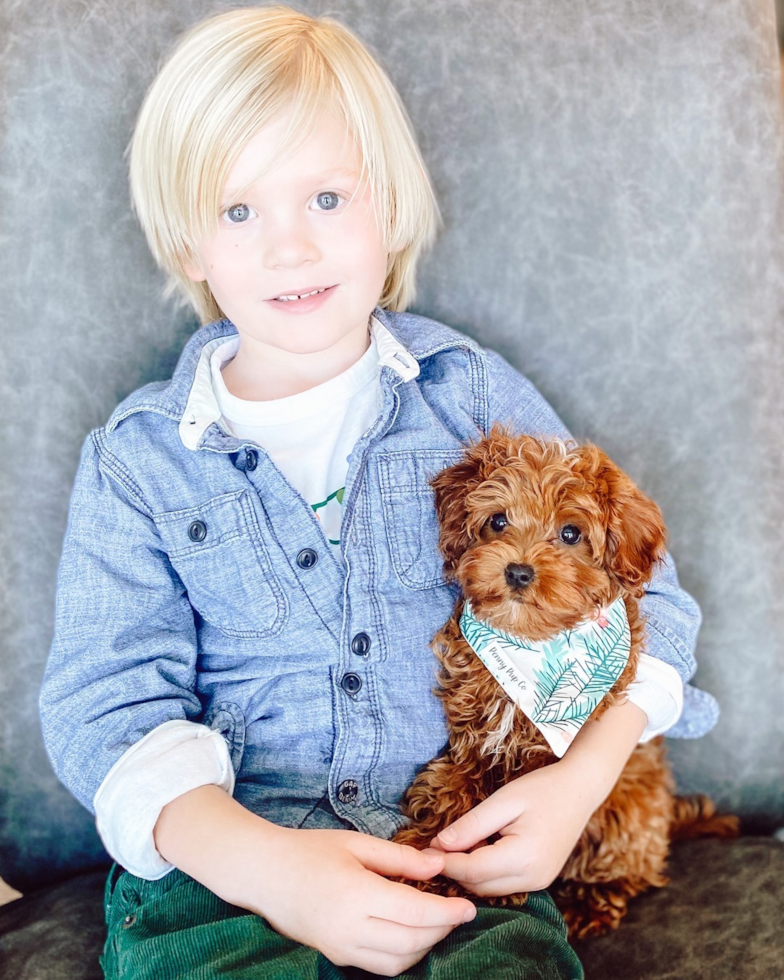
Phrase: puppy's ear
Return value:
(451, 487)
(635, 532)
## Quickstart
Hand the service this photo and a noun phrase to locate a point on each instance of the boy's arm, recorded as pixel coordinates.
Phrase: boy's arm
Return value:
(541, 815)
(123, 658)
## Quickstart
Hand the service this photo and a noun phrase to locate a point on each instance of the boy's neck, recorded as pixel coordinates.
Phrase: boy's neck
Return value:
(259, 372)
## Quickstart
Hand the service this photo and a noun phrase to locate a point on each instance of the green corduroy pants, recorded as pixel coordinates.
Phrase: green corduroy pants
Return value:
(175, 929)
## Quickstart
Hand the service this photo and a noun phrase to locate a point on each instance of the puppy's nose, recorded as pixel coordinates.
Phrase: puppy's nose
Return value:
(519, 576)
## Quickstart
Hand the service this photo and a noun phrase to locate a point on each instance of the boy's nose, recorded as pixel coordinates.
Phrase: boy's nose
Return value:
(290, 244)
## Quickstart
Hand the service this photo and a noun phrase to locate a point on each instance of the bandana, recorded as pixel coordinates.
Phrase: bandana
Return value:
(557, 683)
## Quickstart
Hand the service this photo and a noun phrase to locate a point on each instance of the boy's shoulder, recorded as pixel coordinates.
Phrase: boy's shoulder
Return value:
(169, 398)
(424, 337)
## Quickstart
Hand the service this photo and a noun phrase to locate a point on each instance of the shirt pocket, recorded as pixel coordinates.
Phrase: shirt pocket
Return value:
(219, 552)
(409, 509)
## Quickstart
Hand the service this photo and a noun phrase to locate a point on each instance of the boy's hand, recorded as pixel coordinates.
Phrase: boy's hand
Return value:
(323, 888)
(539, 818)
(540, 815)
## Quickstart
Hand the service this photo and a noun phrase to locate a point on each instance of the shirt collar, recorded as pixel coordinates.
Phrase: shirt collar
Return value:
(201, 408)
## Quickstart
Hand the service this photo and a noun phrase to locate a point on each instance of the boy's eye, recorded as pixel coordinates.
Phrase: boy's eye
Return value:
(498, 522)
(326, 201)
(570, 534)
(238, 213)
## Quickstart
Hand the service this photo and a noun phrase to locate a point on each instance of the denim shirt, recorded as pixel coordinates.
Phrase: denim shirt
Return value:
(196, 584)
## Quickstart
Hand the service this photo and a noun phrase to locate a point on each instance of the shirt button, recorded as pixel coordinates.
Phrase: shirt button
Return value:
(307, 558)
(348, 790)
(251, 459)
(197, 531)
(360, 644)
(351, 683)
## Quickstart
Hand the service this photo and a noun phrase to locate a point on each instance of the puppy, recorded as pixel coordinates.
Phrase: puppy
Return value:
(550, 543)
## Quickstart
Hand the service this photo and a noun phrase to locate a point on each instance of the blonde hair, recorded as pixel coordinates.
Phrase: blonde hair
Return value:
(234, 73)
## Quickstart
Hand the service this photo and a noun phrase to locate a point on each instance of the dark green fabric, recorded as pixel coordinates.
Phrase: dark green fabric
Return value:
(175, 929)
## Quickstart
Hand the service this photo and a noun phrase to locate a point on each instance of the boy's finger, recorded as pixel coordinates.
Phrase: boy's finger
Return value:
(403, 904)
(387, 858)
(486, 819)
(480, 866)
(402, 940)
(511, 885)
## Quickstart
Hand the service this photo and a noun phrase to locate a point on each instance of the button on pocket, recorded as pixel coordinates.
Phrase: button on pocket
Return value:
(197, 531)
(219, 551)
(410, 520)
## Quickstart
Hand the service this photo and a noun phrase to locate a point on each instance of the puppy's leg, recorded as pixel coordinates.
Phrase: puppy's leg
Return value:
(696, 816)
(623, 849)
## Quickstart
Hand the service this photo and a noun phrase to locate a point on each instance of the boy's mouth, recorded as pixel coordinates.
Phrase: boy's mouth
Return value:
(306, 294)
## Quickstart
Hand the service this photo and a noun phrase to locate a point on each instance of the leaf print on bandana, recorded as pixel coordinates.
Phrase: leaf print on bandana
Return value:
(559, 682)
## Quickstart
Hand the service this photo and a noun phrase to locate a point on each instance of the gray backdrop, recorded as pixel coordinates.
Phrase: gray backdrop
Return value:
(610, 176)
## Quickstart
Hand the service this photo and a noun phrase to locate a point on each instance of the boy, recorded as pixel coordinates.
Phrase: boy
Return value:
(240, 678)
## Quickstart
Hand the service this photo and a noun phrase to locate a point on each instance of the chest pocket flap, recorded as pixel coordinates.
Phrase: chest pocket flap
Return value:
(408, 504)
(219, 552)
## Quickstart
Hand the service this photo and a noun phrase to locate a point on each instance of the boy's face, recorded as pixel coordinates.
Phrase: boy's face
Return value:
(296, 262)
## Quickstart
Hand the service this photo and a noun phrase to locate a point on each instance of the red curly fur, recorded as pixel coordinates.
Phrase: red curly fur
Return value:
(540, 487)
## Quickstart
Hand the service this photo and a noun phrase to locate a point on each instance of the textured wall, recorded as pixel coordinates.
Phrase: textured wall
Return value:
(610, 175)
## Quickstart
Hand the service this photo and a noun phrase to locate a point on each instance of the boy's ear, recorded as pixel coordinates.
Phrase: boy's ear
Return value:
(193, 270)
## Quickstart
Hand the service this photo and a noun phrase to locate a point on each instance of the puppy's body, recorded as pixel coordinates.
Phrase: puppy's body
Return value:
(540, 536)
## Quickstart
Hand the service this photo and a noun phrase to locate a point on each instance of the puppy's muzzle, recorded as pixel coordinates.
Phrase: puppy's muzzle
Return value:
(519, 577)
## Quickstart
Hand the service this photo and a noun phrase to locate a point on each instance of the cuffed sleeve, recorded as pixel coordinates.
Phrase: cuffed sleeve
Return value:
(658, 691)
(175, 758)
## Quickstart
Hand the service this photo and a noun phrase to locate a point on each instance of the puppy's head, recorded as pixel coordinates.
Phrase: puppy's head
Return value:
(538, 534)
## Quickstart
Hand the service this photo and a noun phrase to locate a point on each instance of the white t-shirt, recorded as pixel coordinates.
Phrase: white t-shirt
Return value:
(310, 435)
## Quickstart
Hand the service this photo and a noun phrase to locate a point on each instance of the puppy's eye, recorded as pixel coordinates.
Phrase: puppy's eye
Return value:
(498, 522)
(570, 534)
